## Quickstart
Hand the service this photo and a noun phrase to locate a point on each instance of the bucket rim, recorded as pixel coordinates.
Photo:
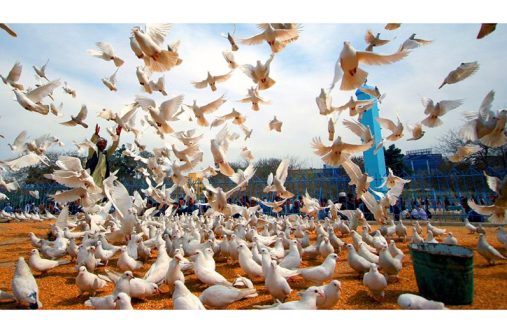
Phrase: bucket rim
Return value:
(414, 247)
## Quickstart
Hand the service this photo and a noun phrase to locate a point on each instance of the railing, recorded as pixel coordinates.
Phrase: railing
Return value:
(431, 189)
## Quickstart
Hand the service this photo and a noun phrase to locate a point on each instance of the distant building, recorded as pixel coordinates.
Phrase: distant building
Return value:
(423, 160)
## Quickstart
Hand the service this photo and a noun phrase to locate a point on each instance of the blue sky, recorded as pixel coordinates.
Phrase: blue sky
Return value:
(301, 70)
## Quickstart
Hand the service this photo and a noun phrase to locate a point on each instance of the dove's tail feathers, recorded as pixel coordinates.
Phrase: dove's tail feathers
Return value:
(351, 82)
(118, 62)
(234, 47)
(255, 107)
(266, 306)
(494, 140)
(443, 84)
(163, 92)
(88, 303)
(161, 62)
(268, 83)
(166, 129)
(335, 159)
(226, 169)
(246, 293)
(63, 262)
(432, 122)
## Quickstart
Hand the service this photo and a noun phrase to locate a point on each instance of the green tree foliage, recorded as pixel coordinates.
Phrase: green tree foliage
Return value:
(394, 160)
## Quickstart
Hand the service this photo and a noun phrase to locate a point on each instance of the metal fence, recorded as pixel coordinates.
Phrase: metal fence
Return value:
(435, 188)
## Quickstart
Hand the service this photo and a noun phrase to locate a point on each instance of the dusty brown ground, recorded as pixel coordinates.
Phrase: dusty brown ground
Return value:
(58, 291)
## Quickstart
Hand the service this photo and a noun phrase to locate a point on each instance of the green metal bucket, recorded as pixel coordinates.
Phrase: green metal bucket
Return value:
(444, 273)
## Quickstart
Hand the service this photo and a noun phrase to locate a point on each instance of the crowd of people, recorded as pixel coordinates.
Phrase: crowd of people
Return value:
(417, 208)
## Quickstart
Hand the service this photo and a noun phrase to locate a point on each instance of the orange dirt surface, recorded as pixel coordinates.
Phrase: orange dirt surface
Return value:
(58, 291)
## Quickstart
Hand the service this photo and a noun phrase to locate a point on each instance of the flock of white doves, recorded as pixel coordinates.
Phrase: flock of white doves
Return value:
(265, 247)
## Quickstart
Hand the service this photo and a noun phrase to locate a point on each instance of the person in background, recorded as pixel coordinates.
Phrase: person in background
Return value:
(396, 209)
(447, 203)
(296, 206)
(97, 161)
(422, 214)
(181, 206)
(414, 214)
(191, 206)
(342, 198)
(351, 201)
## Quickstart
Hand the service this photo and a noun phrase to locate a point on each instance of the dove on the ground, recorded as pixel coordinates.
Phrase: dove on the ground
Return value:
(88, 282)
(332, 292)
(375, 282)
(102, 303)
(24, 287)
(321, 273)
(416, 302)
(183, 299)
(219, 296)
(43, 265)
(123, 302)
(487, 251)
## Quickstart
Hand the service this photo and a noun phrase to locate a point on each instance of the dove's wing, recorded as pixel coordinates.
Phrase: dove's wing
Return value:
(283, 170)
(15, 72)
(248, 70)
(351, 148)
(39, 93)
(494, 183)
(369, 37)
(319, 148)
(24, 161)
(20, 139)
(158, 31)
(485, 108)
(145, 102)
(222, 78)
(121, 199)
(338, 74)
(129, 113)
(257, 39)
(213, 106)
(200, 84)
(168, 108)
(112, 78)
(106, 48)
(61, 220)
(82, 113)
(352, 170)
(69, 163)
(69, 196)
(371, 58)
(208, 186)
(357, 128)
(8, 29)
(387, 123)
(449, 105)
